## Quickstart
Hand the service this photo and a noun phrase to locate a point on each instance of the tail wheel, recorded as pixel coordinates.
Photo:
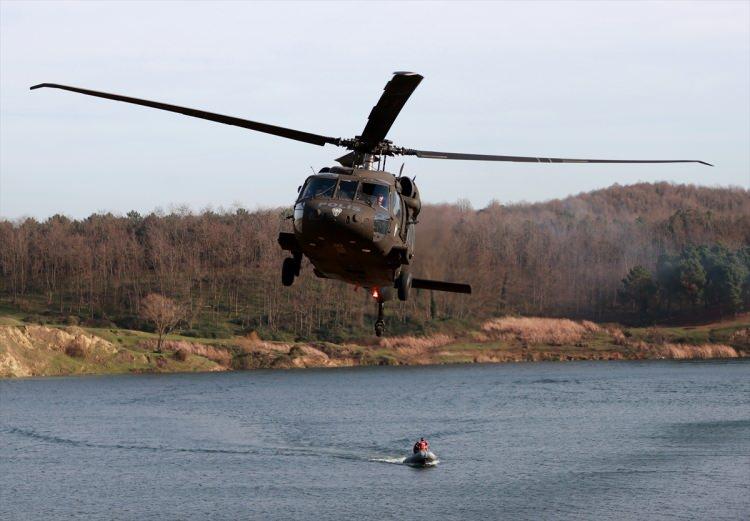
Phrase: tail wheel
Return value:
(403, 283)
(288, 271)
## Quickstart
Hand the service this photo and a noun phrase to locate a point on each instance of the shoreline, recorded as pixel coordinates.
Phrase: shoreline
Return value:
(39, 351)
(355, 367)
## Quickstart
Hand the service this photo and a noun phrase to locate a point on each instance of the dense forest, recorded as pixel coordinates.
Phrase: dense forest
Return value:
(630, 253)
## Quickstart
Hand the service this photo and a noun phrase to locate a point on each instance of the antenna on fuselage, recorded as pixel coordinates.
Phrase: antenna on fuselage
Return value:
(311, 168)
(401, 170)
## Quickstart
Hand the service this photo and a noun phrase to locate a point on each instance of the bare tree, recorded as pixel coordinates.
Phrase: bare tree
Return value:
(164, 312)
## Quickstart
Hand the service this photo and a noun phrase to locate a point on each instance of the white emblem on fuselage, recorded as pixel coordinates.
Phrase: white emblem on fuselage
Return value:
(336, 211)
(349, 206)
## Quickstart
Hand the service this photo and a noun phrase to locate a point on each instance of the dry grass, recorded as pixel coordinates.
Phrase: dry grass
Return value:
(618, 337)
(252, 343)
(640, 345)
(654, 335)
(183, 349)
(551, 331)
(414, 344)
(741, 338)
(591, 327)
(478, 336)
(704, 351)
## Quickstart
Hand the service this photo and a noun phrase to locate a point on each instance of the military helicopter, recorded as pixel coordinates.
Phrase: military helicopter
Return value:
(356, 222)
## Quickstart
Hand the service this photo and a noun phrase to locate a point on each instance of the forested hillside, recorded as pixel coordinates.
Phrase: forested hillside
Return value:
(681, 250)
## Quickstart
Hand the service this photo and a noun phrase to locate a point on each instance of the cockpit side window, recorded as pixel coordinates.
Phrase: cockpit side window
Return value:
(374, 194)
(319, 187)
(396, 206)
(347, 189)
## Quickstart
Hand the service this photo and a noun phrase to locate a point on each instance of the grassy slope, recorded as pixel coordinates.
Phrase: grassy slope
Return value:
(10, 316)
(127, 355)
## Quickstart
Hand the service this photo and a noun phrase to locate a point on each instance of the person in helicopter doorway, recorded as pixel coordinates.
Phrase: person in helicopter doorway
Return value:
(421, 445)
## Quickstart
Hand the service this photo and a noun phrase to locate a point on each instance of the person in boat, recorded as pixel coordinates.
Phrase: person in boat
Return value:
(421, 445)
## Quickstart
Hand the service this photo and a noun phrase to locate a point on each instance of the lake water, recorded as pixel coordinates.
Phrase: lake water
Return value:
(587, 440)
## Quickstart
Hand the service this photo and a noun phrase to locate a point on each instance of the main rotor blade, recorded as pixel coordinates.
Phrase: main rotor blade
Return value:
(522, 159)
(395, 94)
(288, 133)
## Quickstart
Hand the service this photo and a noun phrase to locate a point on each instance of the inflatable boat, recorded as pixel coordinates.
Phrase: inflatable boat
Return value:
(424, 458)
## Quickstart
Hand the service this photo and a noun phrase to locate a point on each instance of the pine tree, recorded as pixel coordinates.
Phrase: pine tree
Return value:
(638, 289)
(691, 276)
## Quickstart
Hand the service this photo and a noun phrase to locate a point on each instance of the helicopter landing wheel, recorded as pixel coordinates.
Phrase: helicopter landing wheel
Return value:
(288, 271)
(403, 284)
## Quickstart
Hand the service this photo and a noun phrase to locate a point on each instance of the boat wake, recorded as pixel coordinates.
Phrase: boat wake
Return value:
(402, 460)
(244, 450)
(50, 438)
(393, 461)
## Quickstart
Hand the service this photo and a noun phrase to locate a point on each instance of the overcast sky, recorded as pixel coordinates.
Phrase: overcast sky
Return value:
(634, 80)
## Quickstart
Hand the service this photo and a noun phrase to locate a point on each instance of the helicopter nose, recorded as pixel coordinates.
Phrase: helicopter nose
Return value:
(337, 221)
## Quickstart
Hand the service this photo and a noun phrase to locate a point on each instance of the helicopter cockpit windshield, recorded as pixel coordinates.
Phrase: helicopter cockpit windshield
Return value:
(319, 187)
(347, 189)
(374, 194)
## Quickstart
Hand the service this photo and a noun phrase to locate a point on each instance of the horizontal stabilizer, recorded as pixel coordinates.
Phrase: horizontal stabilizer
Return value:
(439, 285)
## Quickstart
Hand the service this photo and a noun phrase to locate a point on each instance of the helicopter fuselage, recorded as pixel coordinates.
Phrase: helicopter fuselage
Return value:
(354, 225)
